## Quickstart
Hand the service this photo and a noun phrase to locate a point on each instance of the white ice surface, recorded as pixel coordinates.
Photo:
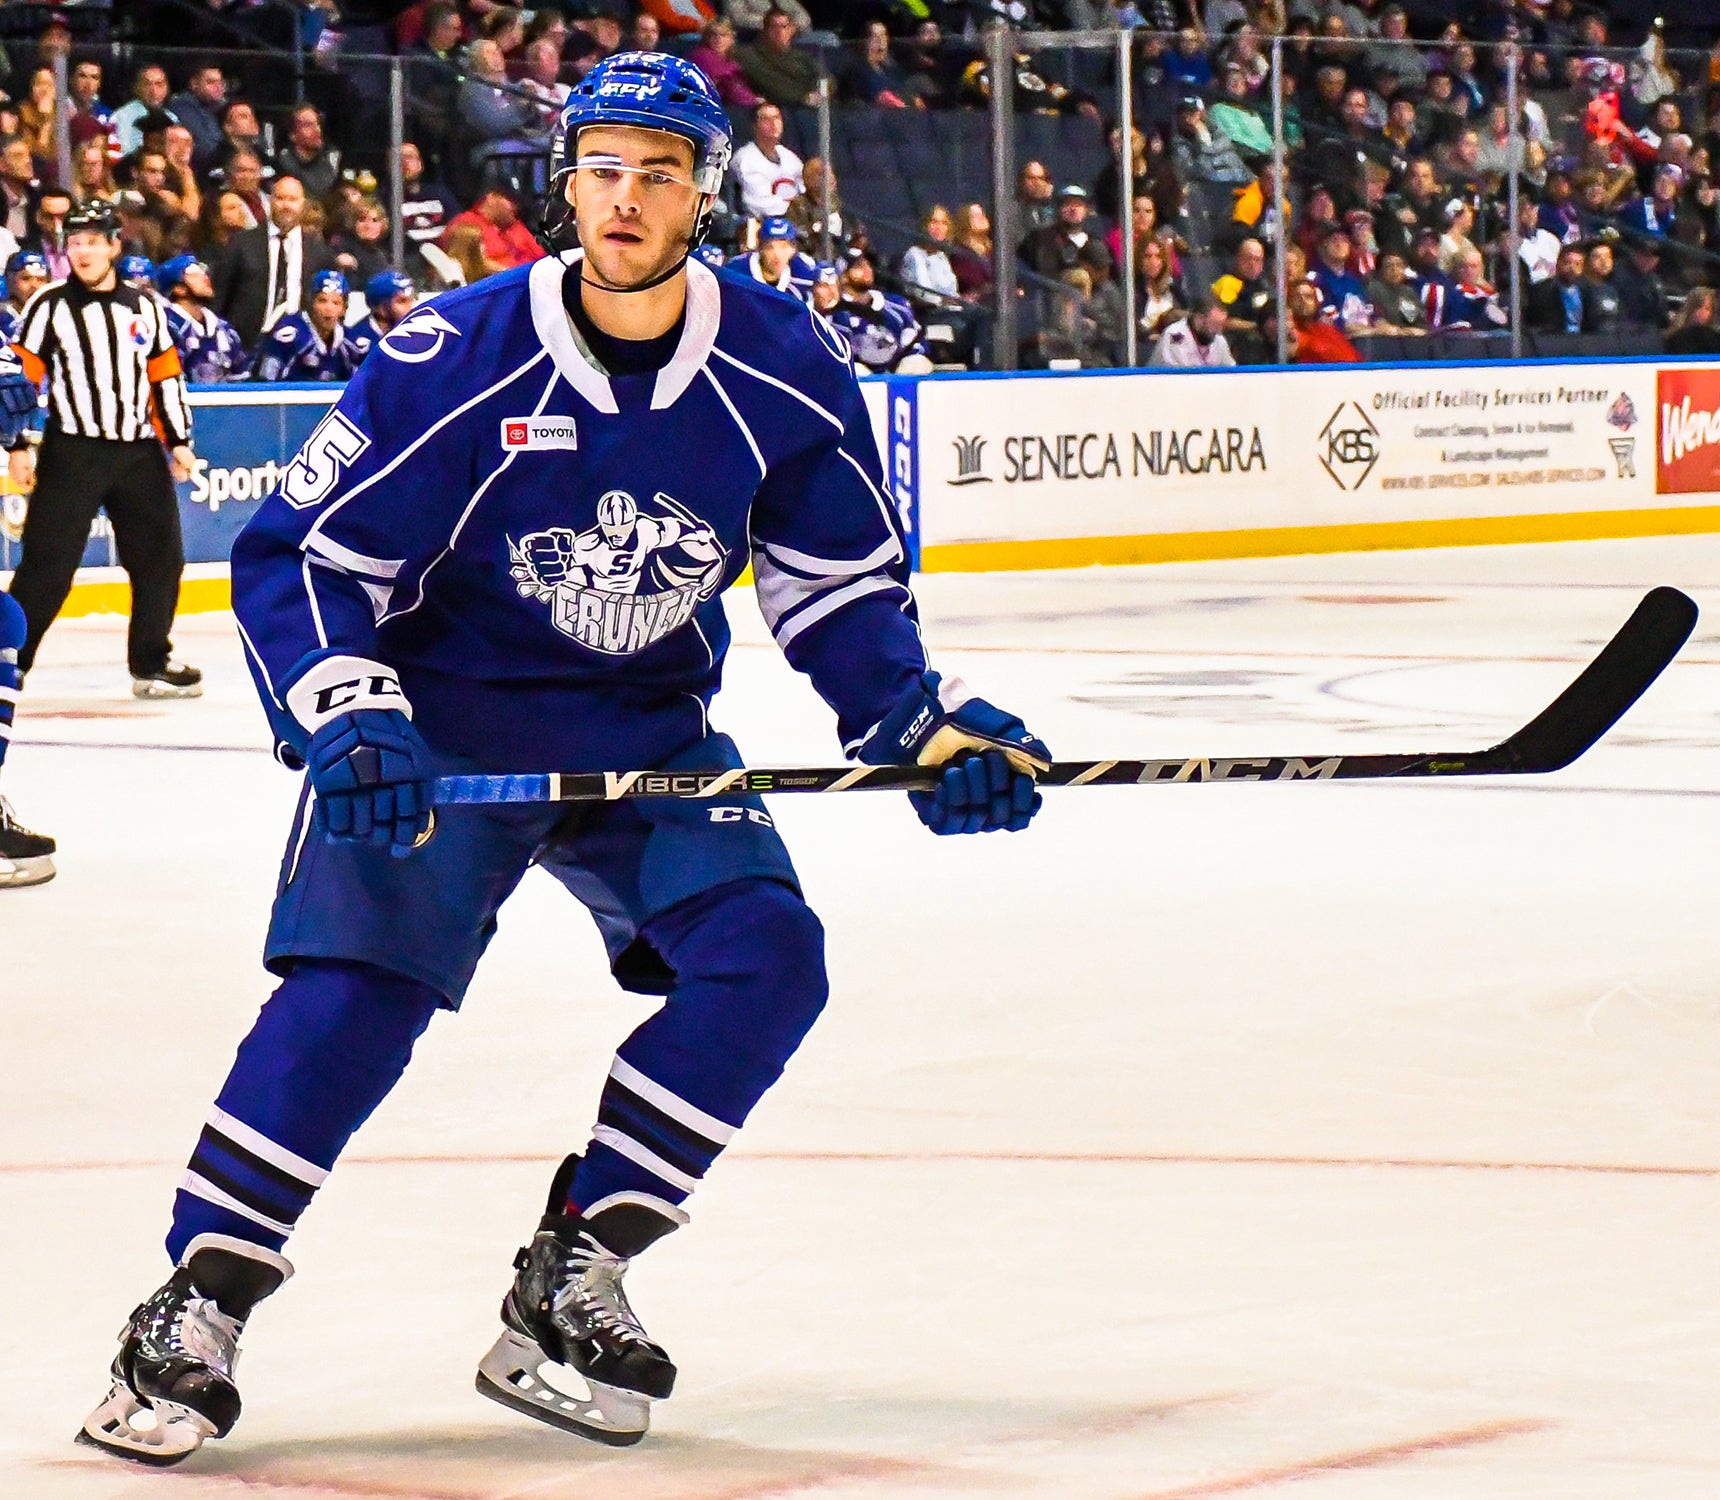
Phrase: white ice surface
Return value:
(1319, 1140)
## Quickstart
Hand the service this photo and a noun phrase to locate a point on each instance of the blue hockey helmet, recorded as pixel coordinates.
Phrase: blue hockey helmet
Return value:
(650, 91)
(28, 260)
(136, 270)
(386, 285)
(778, 228)
(712, 256)
(328, 281)
(171, 273)
(826, 271)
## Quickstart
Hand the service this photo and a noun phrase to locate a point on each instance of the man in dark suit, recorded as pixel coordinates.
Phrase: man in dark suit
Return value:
(266, 272)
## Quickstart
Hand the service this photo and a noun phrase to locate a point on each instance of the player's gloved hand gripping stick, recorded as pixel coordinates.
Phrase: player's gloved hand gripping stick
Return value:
(370, 770)
(1579, 716)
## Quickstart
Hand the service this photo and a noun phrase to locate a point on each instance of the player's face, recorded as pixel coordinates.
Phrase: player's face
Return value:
(775, 255)
(197, 282)
(634, 202)
(25, 285)
(92, 256)
(327, 309)
(397, 307)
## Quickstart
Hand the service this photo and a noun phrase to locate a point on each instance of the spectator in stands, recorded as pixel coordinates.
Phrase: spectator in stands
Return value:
(171, 234)
(1558, 213)
(1316, 342)
(505, 238)
(265, 273)
(1600, 297)
(749, 16)
(198, 107)
(47, 236)
(490, 109)
(1068, 242)
(1394, 53)
(85, 85)
(37, 113)
(807, 210)
(1245, 294)
(971, 251)
(149, 90)
(776, 71)
(1475, 304)
(1158, 289)
(646, 34)
(1655, 213)
(239, 132)
(870, 75)
(20, 190)
(543, 80)
(307, 156)
(313, 344)
(1195, 341)
(1083, 327)
(1201, 154)
(1693, 331)
(933, 65)
(1146, 216)
(1643, 302)
(361, 248)
(1455, 242)
(1433, 285)
(432, 80)
(1237, 115)
(1414, 207)
(1343, 296)
(1558, 305)
(463, 244)
(243, 175)
(1537, 248)
(925, 265)
(224, 215)
(768, 173)
(426, 209)
(1397, 308)
(715, 57)
(1035, 198)
(1187, 65)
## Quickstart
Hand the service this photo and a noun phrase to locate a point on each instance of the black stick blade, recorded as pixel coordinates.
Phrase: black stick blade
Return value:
(1607, 687)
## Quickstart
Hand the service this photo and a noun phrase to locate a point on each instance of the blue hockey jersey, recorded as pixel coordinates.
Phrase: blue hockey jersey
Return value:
(11, 323)
(293, 350)
(363, 336)
(529, 552)
(210, 350)
(880, 328)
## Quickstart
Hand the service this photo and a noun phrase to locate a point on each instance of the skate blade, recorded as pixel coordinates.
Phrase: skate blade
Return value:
(148, 687)
(169, 1434)
(16, 873)
(510, 1374)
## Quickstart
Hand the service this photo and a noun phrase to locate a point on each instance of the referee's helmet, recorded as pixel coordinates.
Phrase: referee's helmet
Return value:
(95, 217)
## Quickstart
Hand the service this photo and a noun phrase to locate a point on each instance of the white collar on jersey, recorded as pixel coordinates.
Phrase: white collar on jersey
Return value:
(555, 329)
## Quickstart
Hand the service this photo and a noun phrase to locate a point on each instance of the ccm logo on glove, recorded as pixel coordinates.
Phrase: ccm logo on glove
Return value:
(338, 684)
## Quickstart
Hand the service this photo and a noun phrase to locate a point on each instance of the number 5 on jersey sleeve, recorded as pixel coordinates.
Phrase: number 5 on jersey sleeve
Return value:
(326, 455)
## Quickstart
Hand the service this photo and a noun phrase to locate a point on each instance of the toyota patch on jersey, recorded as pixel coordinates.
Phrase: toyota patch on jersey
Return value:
(539, 434)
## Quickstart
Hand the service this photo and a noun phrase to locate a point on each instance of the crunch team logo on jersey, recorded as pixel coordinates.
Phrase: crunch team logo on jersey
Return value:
(625, 583)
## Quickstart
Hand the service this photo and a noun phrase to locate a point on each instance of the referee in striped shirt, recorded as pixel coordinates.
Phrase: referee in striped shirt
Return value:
(116, 412)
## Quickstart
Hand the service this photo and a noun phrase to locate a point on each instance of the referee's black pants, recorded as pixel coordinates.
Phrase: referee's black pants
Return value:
(75, 478)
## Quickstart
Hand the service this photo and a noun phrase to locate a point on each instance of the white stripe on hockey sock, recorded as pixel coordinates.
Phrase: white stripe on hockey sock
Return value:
(308, 1172)
(201, 1187)
(9, 694)
(625, 1145)
(675, 1107)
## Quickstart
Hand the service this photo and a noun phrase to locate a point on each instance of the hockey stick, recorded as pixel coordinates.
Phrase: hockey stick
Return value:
(1555, 737)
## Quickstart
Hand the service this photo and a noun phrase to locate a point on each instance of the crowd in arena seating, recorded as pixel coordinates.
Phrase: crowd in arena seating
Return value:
(266, 218)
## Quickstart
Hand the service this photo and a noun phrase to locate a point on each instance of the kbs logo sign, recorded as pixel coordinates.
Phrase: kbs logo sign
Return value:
(1349, 446)
(1689, 429)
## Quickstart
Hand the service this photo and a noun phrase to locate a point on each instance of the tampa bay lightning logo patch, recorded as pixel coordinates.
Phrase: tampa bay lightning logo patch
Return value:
(624, 584)
(418, 337)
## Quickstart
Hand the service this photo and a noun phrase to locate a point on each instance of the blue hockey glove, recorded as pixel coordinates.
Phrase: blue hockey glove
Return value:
(18, 398)
(989, 757)
(371, 772)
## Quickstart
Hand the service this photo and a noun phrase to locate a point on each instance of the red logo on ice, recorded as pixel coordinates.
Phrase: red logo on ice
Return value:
(516, 434)
(1688, 422)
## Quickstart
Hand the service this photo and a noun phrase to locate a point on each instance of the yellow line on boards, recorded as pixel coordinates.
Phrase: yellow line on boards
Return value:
(196, 596)
(1284, 541)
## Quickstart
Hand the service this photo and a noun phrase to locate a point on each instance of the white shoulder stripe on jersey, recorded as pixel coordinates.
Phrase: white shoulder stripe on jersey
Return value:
(885, 553)
(348, 561)
(556, 333)
(781, 385)
(746, 432)
(673, 1105)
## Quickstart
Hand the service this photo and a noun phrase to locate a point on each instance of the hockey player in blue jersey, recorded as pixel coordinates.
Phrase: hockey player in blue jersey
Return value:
(502, 551)
(210, 349)
(880, 326)
(390, 296)
(778, 261)
(26, 274)
(313, 344)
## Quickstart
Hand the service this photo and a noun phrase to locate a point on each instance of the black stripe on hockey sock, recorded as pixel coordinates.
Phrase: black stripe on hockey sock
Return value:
(679, 1145)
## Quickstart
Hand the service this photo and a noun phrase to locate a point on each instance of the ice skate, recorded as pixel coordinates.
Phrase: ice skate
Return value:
(173, 1376)
(26, 858)
(174, 680)
(572, 1353)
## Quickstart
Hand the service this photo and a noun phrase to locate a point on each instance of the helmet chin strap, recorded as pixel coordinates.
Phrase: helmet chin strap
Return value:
(644, 286)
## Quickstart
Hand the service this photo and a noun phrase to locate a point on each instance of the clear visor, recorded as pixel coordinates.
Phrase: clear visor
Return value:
(601, 167)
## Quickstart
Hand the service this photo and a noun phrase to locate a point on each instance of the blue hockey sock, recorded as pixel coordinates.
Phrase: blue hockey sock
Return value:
(12, 632)
(748, 959)
(327, 1047)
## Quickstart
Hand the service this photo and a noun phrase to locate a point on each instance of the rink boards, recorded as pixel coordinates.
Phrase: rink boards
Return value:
(1072, 469)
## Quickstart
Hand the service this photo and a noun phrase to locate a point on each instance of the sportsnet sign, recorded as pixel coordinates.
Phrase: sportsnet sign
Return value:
(1688, 460)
